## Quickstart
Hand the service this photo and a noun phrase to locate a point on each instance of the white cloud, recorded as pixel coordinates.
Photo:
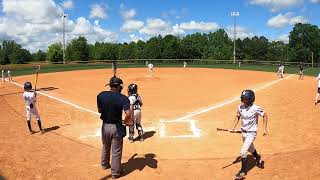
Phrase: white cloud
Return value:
(129, 14)
(40, 25)
(98, 11)
(68, 4)
(241, 32)
(276, 5)
(282, 20)
(199, 26)
(131, 25)
(284, 38)
(155, 27)
(35, 11)
(177, 13)
(315, 1)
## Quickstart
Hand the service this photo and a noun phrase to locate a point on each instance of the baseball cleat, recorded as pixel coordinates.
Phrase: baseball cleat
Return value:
(131, 139)
(107, 166)
(260, 163)
(32, 132)
(240, 175)
(141, 139)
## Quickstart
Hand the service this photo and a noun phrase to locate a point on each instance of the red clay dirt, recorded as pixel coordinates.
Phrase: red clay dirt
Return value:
(71, 147)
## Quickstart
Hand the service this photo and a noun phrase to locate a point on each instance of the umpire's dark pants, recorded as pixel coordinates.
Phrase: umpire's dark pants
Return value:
(110, 138)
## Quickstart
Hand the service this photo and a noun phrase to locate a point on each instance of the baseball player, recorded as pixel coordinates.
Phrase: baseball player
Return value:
(184, 64)
(136, 101)
(2, 77)
(249, 113)
(147, 62)
(318, 94)
(150, 69)
(29, 97)
(114, 67)
(301, 70)
(9, 75)
(281, 71)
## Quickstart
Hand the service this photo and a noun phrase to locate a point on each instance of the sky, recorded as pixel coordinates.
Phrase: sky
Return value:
(35, 24)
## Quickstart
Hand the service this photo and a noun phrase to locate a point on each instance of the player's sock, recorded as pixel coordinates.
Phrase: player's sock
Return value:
(29, 125)
(256, 155)
(39, 124)
(244, 163)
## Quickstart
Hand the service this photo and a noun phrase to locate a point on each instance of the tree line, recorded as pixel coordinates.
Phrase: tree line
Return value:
(304, 40)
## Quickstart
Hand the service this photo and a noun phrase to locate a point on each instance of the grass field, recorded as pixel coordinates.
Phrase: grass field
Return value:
(49, 68)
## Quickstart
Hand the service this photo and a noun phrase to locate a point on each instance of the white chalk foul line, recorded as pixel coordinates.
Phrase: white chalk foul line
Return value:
(218, 105)
(63, 101)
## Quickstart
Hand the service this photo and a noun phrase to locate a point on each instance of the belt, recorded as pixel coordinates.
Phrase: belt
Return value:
(244, 131)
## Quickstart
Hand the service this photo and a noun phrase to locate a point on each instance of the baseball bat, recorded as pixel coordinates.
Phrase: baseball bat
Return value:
(236, 131)
(36, 78)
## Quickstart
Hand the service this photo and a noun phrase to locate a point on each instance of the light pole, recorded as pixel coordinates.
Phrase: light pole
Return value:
(234, 14)
(63, 16)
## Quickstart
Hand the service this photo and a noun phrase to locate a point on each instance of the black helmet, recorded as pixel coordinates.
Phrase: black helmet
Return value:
(132, 89)
(27, 86)
(248, 94)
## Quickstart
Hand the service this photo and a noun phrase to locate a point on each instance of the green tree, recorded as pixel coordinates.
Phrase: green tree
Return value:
(39, 56)
(193, 46)
(153, 48)
(55, 53)
(219, 46)
(304, 39)
(78, 50)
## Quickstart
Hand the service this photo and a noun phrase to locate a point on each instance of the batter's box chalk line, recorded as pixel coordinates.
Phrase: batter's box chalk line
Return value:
(195, 132)
(98, 133)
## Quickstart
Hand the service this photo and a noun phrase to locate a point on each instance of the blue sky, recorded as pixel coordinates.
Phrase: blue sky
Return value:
(36, 23)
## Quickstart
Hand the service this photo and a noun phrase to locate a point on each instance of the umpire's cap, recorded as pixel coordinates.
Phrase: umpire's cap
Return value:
(115, 81)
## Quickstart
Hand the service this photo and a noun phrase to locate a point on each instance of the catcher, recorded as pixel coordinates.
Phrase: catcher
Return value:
(136, 101)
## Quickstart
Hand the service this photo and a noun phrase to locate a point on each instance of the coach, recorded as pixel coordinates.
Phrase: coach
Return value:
(110, 106)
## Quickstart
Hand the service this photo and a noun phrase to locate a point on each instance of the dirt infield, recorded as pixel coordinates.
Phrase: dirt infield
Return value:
(182, 109)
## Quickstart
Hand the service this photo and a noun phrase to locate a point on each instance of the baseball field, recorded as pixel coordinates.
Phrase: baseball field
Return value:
(182, 110)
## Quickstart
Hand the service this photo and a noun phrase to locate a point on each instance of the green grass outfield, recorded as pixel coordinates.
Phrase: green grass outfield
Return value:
(19, 70)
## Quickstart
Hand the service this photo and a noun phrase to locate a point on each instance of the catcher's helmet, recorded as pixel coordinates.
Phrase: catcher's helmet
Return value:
(27, 86)
(248, 94)
(132, 89)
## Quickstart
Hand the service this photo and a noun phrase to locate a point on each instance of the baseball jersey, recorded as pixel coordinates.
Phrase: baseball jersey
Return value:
(136, 99)
(29, 98)
(2, 73)
(249, 116)
(150, 66)
(114, 65)
(301, 67)
(318, 78)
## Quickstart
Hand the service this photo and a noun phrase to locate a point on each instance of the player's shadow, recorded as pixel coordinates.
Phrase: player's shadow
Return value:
(251, 162)
(47, 89)
(53, 128)
(13, 93)
(139, 163)
(146, 135)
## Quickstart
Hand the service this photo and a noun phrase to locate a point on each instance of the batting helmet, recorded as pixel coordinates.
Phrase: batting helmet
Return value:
(27, 86)
(132, 89)
(248, 94)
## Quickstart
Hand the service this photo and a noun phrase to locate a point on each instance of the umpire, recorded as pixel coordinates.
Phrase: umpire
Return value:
(110, 106)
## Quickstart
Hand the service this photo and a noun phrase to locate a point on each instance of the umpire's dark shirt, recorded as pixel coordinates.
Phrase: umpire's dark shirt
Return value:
(112, 104)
